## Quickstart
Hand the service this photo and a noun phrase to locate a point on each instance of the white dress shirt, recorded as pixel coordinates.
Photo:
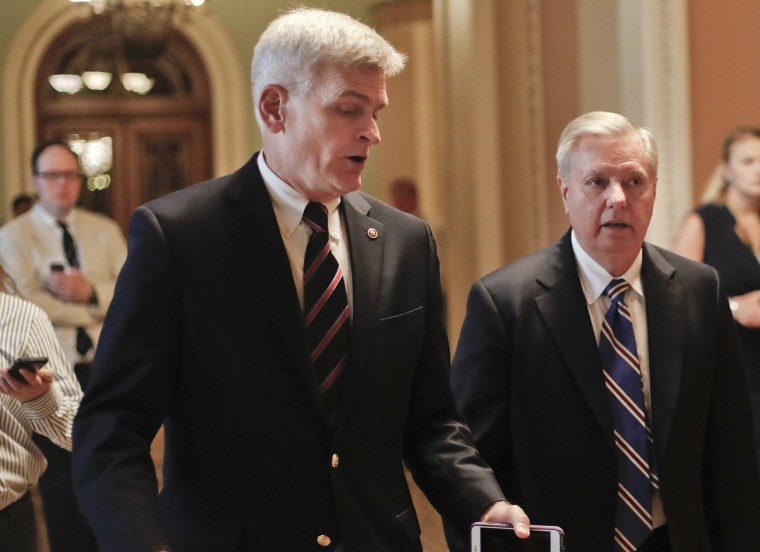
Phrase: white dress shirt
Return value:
(30, 243)
(289, 205)
(594, 279)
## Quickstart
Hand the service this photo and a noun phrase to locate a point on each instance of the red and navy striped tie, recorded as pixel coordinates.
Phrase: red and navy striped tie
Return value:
(325, 309)
(636, 473)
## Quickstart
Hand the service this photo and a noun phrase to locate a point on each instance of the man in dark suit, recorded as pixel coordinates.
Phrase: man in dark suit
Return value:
(531, 377)
(282, 432)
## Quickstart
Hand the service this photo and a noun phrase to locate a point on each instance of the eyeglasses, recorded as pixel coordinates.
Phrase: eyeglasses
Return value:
(55, 175)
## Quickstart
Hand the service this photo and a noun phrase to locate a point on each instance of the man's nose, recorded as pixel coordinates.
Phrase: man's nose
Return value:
(372, 133)
(616, 194)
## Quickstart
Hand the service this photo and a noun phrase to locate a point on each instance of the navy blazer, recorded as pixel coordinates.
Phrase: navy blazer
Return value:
(528, 379)
(206, 336)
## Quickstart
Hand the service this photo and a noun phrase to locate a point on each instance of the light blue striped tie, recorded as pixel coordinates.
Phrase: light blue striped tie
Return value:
(622, 375)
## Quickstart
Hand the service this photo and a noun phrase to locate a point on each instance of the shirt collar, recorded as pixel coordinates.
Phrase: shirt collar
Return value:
(289, 204)
(594, 278)
(49, 219)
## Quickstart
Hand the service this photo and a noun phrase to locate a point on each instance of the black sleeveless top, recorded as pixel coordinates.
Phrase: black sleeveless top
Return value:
(739, 271)
(737, 265)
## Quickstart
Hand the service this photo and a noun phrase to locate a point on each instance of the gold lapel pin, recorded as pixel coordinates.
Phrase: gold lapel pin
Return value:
(372, 234)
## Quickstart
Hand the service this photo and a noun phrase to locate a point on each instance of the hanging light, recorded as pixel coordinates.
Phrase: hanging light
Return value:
(140, 33)
(65, 83)
(102, 6)
(139, 83)
(143, 24)
(96, 80)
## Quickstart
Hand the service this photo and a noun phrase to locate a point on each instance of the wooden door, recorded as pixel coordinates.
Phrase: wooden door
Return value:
(152, 156)
(160, 140)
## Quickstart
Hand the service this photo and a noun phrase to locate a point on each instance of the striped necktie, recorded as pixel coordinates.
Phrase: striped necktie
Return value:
(325, 309)
(69, 247)
(622, 375)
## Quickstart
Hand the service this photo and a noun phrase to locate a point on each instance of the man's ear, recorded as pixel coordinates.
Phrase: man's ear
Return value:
(562, 190)
(271, 103)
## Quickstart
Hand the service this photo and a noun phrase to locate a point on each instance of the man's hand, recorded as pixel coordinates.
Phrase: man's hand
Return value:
(37, 383)
(503, 512)
(69, 286)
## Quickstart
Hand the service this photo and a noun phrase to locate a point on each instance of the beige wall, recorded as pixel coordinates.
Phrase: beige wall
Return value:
(725, 76)
(562, 97)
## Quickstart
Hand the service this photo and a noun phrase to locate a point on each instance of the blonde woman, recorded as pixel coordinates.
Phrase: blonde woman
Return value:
(725, 233)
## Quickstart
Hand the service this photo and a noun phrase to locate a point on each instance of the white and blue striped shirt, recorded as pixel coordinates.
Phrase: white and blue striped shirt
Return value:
(26, 331)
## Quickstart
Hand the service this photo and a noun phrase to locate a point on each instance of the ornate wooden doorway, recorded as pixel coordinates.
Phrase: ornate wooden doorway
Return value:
(158, 139)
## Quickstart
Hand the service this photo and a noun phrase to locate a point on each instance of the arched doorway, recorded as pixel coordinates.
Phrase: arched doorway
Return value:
(139, 140)
(231, 140)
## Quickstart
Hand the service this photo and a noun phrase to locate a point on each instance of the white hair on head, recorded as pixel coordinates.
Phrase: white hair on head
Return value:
(297, 44)
(601, 124)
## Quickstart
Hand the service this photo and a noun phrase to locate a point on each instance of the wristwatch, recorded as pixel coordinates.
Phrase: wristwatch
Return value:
(733, 305)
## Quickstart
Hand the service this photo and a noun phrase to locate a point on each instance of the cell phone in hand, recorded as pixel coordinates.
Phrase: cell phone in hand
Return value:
(56, 267)
(497, 537)
(31, 364)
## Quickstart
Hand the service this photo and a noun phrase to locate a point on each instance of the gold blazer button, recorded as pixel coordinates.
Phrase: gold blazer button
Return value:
(372, 234)
(335, 460)
(323, 540)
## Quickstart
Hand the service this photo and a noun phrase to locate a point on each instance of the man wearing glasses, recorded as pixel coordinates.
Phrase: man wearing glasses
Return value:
(65, 259)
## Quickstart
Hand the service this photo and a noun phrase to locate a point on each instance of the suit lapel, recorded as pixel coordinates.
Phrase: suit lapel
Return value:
(563, 308)
(666, 334)
(253, 226)
(366, 268)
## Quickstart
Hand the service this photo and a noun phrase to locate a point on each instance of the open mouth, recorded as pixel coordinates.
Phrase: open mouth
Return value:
(357, 158)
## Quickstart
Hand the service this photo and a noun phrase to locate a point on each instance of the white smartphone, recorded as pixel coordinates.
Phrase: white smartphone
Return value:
(496, 537)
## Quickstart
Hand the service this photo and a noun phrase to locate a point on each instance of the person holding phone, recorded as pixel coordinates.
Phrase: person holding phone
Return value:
(287, 330)
(64, 259)
(41, 398)
(495, 537)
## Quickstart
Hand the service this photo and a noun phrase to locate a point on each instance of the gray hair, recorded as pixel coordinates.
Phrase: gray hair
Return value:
(296, 45)
(601, 124)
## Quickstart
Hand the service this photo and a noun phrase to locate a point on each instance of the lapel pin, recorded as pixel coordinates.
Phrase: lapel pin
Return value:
(372, 234)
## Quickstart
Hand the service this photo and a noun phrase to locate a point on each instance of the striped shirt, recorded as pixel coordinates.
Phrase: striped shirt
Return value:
(26, 331)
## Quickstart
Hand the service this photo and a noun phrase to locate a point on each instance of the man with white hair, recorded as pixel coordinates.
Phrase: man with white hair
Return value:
(287, 330)
(602, 376)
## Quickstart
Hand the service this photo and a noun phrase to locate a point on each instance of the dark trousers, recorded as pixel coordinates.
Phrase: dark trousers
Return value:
(658, 541)
(18, 526)
(67, 529)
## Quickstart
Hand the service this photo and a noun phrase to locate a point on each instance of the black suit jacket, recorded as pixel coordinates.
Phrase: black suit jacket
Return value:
(206, 335)
(528, 378)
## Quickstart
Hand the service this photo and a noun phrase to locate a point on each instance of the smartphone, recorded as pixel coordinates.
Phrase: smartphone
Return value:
(56, 267)
(496, 537)
(32, 364)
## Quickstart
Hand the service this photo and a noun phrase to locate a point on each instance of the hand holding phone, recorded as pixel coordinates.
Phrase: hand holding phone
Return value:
(31, 364)
(496, 537)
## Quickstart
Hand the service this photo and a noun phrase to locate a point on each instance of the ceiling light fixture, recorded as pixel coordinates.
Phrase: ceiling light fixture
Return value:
(143, 24)
(130, 49)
